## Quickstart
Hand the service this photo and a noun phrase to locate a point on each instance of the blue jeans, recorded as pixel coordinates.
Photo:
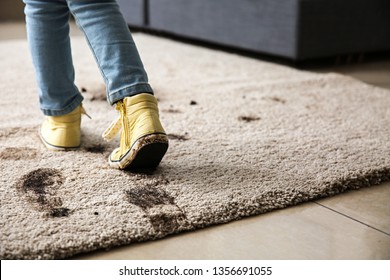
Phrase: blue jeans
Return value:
(108, 37)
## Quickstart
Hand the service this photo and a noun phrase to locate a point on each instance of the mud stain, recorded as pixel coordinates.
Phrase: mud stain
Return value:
(39, 187)
(178, 137)
(100, 96)
(18, 153)
(163, 213)
(96, 149)
(165, 223)
(59, 212)
(17, 131)
(172, 111)
(193, 102)
(278, 99)
(97, 93)
(148, 197)
(248, 118)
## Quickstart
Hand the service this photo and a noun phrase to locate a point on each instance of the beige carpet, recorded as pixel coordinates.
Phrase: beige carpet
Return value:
(246, 136)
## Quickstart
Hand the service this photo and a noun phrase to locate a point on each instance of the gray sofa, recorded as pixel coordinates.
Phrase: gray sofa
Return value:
(295, 29)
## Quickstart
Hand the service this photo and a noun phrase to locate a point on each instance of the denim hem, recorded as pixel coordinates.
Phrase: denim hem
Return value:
(129, 91)
(55, 112)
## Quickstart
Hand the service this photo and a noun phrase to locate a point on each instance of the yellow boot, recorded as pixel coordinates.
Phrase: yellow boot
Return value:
(143, 142)
(60, 133)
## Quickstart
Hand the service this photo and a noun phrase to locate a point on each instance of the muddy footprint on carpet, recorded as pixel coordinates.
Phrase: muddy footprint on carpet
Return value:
(17, 131)
(18, 153)
(39, 187)
(163, 213)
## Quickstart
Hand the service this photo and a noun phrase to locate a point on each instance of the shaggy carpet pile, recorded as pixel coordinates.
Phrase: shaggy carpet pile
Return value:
(246, 137)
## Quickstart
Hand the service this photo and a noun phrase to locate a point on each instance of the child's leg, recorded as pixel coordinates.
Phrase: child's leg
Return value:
(48, 36)
(112, 44)
(143, 141)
